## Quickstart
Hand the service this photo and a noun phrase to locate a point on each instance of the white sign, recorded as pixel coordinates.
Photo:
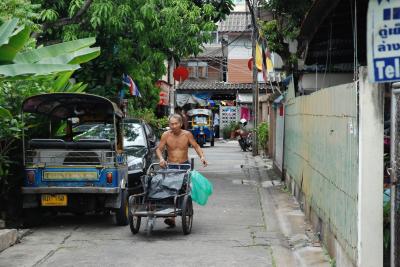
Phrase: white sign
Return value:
(383, 40)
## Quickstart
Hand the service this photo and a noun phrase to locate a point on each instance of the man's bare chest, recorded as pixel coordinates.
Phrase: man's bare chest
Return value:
(177, 142)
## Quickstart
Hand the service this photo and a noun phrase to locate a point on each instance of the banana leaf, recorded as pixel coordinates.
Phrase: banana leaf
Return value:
(15, 43)
(5, 113)
(14, 70)
(77, 57)
(51, 51)
(6, 30)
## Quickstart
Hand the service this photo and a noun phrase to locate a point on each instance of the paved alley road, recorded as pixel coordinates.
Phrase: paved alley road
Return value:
(229, 231)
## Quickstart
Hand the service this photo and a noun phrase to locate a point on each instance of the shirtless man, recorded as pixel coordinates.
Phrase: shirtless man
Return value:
(177, 142)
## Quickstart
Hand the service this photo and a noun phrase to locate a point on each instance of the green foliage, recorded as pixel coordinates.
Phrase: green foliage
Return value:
(27, 12)
(63, 57)
(137, 37)
(25, 71)
(262, 135)
(158, 124)
(288, 15)
(386, 225)
(228, 129)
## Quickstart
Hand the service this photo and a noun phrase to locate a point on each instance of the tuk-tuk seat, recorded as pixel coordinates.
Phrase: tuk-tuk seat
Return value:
(47, 143)
(80, 144)
(94, 144)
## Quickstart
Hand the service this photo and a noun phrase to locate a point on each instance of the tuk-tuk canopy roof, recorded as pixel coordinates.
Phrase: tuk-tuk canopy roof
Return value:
(199, 111)
(87, 107)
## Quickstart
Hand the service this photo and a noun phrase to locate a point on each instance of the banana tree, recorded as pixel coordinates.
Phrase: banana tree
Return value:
(54, 59)
(21, 67)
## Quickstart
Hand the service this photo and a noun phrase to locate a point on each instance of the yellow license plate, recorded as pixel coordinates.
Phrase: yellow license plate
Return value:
(54, 200)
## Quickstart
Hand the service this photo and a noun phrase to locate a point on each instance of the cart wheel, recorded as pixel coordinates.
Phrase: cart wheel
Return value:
(122, 213)
(187, 214)
(150, 225)
(134, 223)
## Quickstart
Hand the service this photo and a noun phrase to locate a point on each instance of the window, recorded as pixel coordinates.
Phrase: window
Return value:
(192, 67)
(215, 38)
(197, 69)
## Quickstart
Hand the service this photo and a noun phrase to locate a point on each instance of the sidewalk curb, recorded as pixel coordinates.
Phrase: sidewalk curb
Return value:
(8, 237)
(301, 247)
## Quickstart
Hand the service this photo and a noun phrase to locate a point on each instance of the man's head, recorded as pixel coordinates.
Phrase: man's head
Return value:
(175, 122)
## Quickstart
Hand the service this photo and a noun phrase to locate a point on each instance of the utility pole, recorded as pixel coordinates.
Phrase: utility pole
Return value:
(254, 14)
(171, 80)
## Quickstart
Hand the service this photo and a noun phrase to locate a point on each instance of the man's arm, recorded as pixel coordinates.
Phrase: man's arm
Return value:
(160, 149)
(196, 147)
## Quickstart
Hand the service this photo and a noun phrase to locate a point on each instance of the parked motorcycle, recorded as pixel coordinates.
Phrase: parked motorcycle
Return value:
(245, 137)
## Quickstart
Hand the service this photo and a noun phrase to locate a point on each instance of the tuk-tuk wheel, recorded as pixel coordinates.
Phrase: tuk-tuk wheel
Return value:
(121, 215)
(32, 217)
(187, 215)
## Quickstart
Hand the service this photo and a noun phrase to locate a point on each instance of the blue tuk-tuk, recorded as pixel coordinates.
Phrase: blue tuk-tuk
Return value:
(82, 169)
(201, 125)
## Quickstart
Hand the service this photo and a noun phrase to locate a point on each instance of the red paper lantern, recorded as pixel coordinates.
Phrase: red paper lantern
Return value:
(180, 74)
(250, 64)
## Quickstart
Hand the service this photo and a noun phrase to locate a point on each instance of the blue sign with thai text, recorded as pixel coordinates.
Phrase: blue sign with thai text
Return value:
(383, 41)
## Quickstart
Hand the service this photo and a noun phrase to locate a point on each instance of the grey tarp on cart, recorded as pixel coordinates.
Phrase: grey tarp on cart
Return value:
(166, 184)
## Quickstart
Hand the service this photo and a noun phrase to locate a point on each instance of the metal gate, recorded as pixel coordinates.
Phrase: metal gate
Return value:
(395, 174)
(228, 114)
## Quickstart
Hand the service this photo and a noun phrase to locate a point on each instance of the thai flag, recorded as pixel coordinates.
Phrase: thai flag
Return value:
(133, 88)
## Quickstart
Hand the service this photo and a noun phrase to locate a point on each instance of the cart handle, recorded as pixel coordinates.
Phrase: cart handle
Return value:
(184, 164)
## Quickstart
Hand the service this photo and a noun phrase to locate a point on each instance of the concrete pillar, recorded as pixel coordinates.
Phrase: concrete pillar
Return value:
(370, 188)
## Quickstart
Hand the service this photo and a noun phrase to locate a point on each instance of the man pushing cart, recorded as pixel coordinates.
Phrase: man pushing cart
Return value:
(167, 184)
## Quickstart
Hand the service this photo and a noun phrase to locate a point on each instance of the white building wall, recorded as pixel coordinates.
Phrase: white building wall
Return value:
(315, 81)
(240, 48)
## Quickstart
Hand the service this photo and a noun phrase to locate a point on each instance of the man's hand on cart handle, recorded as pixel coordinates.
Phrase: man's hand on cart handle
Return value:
(203, 161)
(163, 163)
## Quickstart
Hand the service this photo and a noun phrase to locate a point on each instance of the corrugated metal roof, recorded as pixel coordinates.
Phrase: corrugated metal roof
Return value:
(236, 22)
(211, 51)
(190, 85)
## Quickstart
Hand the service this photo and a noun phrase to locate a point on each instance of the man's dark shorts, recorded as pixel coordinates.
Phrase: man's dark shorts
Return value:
(179, 167)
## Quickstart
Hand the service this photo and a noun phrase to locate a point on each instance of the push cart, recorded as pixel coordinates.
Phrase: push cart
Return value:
(166, 195)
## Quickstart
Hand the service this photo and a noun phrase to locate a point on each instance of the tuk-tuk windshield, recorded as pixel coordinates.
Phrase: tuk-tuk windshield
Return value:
(134, 135)
(94, 131)
(200, 120)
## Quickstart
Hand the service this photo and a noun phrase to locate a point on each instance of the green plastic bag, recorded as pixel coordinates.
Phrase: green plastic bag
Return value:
(201, 188)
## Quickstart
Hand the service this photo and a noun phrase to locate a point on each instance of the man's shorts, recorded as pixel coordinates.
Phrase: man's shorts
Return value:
(179, 167)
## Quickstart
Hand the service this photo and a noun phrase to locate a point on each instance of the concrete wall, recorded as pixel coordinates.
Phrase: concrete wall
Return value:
(334, 164)
(278, 158)
(321, 159)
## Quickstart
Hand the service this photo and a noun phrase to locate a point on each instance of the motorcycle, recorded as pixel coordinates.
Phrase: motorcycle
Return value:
(245, 137)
